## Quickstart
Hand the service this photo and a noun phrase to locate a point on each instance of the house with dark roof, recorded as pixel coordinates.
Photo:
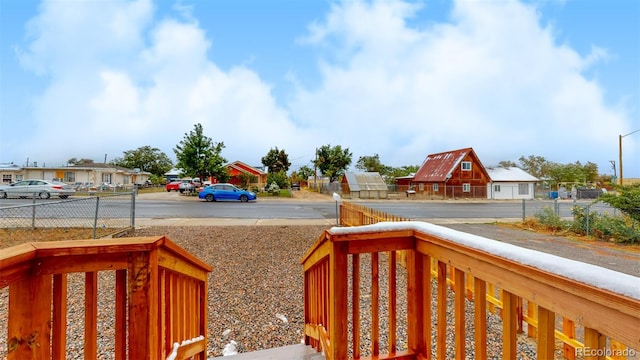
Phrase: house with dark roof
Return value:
(452, 174)
(510, 183)
(364, 185)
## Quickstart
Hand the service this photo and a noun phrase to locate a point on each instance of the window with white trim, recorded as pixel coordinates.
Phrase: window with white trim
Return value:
(466, 166)
(6, 178)
(106, 178)
(496, 188)
(523, 189)
(69, 176)
(466, 187)
(435, 187)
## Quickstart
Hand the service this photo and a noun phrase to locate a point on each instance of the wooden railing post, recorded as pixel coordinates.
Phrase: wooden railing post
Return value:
(28, 329)
(546, 333)
(338, 300)
(143, 306)
(416, 272)
(509, 318)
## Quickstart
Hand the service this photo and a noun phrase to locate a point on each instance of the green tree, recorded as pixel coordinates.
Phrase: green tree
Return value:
(74, 161)
(305, 172)
(199, 156)
(146, 159)
(626, 199)
(372, 164)
(280, 178)
(507, 164)
(246, 179)
(537, 166)
(276, 160)
(333, 161)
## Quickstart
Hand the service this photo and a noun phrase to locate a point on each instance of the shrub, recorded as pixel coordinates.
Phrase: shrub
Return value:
(273, 189)
(547, 217)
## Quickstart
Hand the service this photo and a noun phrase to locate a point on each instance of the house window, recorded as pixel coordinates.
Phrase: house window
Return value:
(523, 189)
(435, 187)
(106, 178)
(6, 178)
(19, 177)
(466, 166)
(421, 187)
(69, 176)
(496, 188)
(466, 187)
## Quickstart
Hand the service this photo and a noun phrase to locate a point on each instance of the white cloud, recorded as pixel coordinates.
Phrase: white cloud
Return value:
(491, 78)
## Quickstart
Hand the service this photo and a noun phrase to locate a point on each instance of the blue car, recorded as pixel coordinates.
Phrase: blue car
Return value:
(226, 192)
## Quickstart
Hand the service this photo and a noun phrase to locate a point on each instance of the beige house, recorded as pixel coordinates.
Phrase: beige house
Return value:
(92, 175)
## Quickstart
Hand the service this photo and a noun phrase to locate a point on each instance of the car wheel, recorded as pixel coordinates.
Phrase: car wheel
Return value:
(64, 196)
(244, 198)
(3, 195)
(44, 195)
(209, 197)
(168, 190)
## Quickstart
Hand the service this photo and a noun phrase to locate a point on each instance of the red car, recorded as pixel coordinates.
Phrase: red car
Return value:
(174, 185)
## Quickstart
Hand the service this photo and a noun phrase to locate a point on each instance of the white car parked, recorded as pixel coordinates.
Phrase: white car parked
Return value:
(43, 189)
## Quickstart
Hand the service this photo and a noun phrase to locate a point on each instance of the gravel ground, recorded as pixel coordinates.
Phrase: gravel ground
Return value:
(255, 293)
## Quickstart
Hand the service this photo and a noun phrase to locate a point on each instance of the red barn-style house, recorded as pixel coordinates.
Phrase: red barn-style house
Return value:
(238, 169)
(452, 174)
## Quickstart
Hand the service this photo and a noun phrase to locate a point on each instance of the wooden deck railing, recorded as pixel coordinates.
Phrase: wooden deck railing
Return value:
(160, 297)
(496, 276)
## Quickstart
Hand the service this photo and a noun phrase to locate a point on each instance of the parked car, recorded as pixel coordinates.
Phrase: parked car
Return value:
(43, 189)
(186, 185)
(226, 192)
(174, 185)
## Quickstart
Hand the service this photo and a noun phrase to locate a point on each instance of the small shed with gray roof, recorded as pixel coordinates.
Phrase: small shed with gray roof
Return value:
(510, 183)
(364, 185)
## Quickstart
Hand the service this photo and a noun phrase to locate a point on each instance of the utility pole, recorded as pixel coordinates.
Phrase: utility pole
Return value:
(315, 171)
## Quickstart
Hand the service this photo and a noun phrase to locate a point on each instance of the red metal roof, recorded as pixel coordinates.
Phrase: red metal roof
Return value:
(436, 167)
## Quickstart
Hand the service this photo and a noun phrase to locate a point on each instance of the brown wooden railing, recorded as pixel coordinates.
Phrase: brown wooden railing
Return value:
(524, 286)
(160, 297)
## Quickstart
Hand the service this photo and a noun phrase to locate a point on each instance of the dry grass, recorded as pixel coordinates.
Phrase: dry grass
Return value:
(16, 236)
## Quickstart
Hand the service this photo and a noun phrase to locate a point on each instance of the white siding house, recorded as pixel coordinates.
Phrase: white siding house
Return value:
(510, 183)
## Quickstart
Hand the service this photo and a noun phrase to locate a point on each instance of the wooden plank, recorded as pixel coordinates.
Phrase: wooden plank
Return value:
(91, 315)
(381, 245)
(480, 318)
(121, 315)
(375, 304)
(569, 330)
(59, 326)
(532, 314)
(509, 318)
(168, 260)
(441, 349)
(29, 318)
(425, 275)
(459, 312)
(416, 306)
(81, 263)
(546, 333)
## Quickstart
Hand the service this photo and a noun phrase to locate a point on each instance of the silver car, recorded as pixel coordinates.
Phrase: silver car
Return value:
(43, 189)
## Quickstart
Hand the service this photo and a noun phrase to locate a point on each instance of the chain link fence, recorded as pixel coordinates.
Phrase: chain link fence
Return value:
(82, 218)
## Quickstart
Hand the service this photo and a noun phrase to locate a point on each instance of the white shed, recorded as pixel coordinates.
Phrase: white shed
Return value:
(510, 183)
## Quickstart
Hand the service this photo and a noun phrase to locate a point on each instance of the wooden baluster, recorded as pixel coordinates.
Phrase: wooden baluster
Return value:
(121, 315)
(569, 329)
(355, 312)
(469, 287)
(519, 317)
(480, 318)
(91, 315)
(509, 319)
(392, 302)
(375, 305)
(418, 308)
(618, 350)
(491, 292)
(459, 312)
(59, 327)
(338, 297)
(546, 333)
(594, 344)
(532, 313)
(441, 349)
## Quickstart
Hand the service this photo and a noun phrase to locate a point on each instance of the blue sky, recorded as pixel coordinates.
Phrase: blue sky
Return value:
(401, 79)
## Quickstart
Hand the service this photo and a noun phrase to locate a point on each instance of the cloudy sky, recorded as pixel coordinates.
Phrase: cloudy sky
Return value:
(401, 79)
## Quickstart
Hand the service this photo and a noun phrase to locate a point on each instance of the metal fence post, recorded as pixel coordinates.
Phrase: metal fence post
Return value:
(133, 209)
(587, 208)
(95, 219)
(33, 213)
(524, 211)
